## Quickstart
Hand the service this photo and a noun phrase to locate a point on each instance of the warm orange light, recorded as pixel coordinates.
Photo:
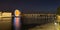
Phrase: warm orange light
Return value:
(17, 12)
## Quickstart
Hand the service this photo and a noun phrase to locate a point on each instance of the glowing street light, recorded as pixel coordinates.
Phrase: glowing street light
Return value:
(17, 20)
(17, 12)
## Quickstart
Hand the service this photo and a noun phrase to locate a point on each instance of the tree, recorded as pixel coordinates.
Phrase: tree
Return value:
(58, 10)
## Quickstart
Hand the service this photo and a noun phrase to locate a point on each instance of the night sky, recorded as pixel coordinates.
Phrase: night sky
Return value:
(25, 6)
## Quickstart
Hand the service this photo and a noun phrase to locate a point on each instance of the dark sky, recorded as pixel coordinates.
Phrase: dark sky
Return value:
(43, 6)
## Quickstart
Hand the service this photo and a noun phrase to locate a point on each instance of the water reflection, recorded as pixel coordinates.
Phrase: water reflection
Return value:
(49, 26)
(5, 23)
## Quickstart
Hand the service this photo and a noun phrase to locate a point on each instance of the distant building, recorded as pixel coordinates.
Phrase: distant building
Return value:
(38, 18)
(6, 14)
(32, 18)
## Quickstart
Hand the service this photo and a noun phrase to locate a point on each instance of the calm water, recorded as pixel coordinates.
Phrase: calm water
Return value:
(5, 24)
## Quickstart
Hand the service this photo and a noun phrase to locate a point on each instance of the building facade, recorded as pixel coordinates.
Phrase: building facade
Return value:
(38, 18)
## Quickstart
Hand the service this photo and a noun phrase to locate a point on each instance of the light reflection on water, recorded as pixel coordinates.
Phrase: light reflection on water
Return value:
(5, 23)
(6, 19)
